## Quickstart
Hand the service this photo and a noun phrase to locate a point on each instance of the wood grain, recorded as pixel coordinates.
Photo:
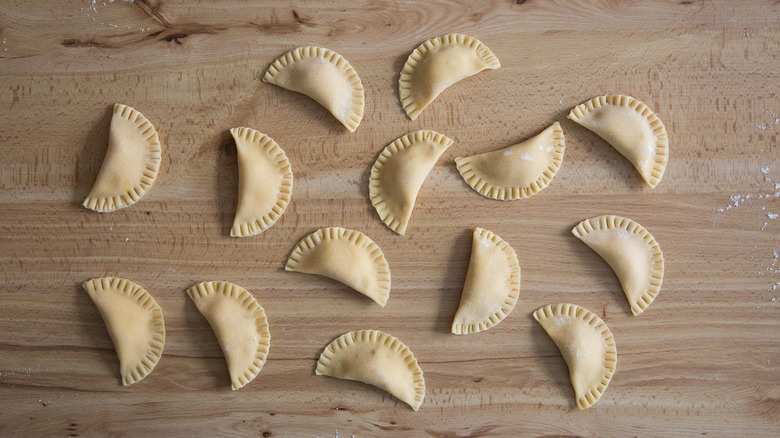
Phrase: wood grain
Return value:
(701, 360)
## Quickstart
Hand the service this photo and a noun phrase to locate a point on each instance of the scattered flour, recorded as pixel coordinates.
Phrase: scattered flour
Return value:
(91, 11)
(772, 268)
(775, 120)
(745, 32)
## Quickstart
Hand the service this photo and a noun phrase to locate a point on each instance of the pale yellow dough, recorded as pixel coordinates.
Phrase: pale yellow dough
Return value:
(134, 322)
(131, 163)
(399, 172)
(265, 182)
(376, 358)
(492, 284)
(240, 325)
(518, 171)
(631, 128)
(326, 77)
(438, 63)
(587, 346)
(347, 256)
(631, 251)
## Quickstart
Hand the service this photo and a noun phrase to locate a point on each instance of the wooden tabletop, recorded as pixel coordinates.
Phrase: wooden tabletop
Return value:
(701, 360)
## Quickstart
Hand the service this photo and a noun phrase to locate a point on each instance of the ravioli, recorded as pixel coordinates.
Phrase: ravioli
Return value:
(378, 359)
(632, 253)
(587, 346)
(131, 164)
(326, 77)
(240, 325)
(518, 171)
(347, 256)
(631, 128)
(437, 64)
(492, 284)
(265, 182)
(399, 173)
(134, 322)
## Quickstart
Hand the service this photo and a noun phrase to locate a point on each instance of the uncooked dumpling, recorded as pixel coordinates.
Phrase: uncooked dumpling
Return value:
(438, 63)
(240, 325)
(518, 171)
(347, 256)
(134, 322)
(376, 358)
(587, 346)
(131, 164)
(326, 77)
(399, 173)
(492, 284)
(265, 182)
(631, 251)
(631, 128)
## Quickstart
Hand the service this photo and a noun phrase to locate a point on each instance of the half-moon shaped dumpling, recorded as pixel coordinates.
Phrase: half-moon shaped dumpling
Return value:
(518, 171)
(131, 163)
(399, 172)
(265, 182)
(347, 256)
(438, 63)
(631, 252)
(587, 346)
(134, 322)
(376, 358)
(492, 284)
(631, 128)
(240, 325)
(326, 77)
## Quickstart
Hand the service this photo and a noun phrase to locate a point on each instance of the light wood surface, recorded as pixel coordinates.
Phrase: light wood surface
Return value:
(701, 360)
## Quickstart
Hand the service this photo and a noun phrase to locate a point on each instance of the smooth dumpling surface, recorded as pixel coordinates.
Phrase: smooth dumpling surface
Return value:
(587, 346)
(326, 77)
(134, 322)
(399, 173)
(376, 358)
(492, 284)
(240, 325)
(631, 128)
(347, 256)
(518, 171)
(265, 182)
(131, 164)
(438, 63)
(631, 251)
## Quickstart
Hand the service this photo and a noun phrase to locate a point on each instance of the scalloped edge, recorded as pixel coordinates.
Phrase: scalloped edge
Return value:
(374, 187)
(412, 108)
(610, 359)
(661, 156)
(472, 177)
(148, 177)
(358, 94)
(308, 243)
(145, 300)
(394, 344)
(233, 291)
(514, 286)
(274, 151)
(610, 222)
